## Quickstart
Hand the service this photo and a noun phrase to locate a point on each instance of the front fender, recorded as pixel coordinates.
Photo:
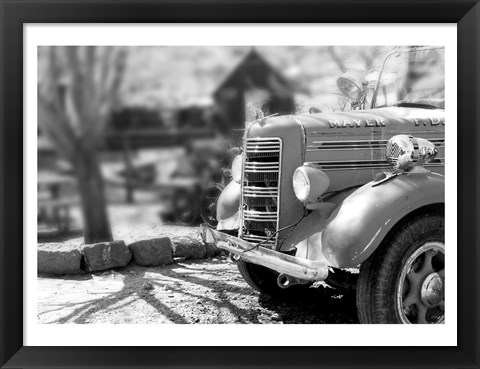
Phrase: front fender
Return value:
(229, 201)
(359, 224)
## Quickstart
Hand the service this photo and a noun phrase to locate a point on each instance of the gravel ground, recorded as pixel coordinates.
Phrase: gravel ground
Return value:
(203, 292)
(197, 291)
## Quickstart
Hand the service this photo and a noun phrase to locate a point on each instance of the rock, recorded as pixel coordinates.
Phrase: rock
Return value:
(105, 255)
(212, 250)
(180, 259)
(157, 251)
(189, 247)
(147, 286)
(57, 258)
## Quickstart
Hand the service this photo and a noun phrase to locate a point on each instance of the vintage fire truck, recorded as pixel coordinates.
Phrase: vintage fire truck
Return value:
(314, 196)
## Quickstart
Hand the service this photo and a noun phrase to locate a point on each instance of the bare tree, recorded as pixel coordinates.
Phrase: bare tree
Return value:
(371, 56)
(78, 89)
(337, 59)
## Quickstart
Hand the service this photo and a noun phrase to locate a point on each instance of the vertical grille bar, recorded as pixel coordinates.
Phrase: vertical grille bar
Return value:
(260, 190)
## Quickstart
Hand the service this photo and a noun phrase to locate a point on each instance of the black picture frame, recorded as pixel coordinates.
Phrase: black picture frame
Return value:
(14, 14)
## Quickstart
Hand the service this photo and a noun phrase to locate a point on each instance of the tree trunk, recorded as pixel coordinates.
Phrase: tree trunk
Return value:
(91, 188)
(127, 156)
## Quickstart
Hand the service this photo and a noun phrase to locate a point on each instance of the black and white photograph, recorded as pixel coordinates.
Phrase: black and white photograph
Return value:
(241, 184)
(227, 184)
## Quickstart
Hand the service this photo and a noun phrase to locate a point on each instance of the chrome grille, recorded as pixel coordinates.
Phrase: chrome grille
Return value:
(260, 192)
(256, 201)
(261, 177)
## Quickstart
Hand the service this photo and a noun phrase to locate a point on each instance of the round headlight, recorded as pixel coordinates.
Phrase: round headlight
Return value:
(301, 185)
(237, 168)
(309, 183)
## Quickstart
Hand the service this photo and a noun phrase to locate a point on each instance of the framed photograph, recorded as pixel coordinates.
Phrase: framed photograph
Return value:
(239, 184)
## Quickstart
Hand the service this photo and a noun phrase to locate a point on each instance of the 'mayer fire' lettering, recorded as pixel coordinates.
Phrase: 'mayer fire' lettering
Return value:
(381, 122)
(356, 123)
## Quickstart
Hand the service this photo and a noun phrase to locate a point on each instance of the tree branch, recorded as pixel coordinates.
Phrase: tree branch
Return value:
(56, 128)
(337, 59)
(115, 59)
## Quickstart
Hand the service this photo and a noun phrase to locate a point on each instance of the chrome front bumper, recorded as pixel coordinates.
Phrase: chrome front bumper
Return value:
(305, 269)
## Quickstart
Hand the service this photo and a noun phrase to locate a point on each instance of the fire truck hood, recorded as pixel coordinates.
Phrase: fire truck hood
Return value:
(373, 118)
(402, 117)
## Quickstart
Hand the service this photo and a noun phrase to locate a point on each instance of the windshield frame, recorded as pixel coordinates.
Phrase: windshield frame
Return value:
(407, 50)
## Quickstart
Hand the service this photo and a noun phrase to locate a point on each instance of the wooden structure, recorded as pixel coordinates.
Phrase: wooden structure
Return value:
(55, 197)
(254, 73)
(47, 157)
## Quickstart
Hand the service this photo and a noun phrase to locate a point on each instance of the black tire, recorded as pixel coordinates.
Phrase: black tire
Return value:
(264, 280)
(208, 204)
(186, 207)
(380, 275)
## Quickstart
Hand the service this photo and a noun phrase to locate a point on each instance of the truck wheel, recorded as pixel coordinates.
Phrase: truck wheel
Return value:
(208, 204)
(185, 206)
(264, 280)
(403, 281)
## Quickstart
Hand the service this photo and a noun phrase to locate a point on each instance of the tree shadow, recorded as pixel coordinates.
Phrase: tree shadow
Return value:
(221, 290)
(133, 287)
(215, 300)
(139, 287)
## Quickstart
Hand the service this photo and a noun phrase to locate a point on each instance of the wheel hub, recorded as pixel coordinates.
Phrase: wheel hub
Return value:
(432, 292)
(421, 292)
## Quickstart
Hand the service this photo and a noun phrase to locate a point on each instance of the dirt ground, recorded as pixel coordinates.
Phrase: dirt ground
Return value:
(209, 291)
(198, 291)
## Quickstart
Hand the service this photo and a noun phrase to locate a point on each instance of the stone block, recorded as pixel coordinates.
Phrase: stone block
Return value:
(212, 250)
(105, 255)
(189, 247)
(58, 259)
(156, 251)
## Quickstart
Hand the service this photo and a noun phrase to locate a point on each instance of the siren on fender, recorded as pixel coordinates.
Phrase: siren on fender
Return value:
(405, 152)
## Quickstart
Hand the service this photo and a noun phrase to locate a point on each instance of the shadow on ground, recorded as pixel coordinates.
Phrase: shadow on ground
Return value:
(316, 305)
(206, 292)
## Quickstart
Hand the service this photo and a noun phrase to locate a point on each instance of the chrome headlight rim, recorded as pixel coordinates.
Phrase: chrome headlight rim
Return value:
(310, 183)
(299, 175)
